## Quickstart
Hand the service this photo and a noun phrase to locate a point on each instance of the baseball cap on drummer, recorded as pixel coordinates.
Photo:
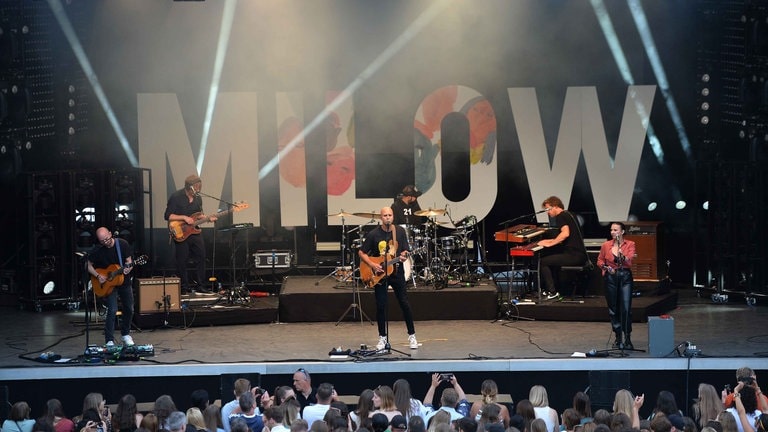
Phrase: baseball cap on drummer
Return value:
(411, 190)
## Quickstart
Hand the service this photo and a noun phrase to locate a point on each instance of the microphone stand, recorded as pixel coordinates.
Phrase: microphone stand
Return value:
(510, 271)
(213, 279)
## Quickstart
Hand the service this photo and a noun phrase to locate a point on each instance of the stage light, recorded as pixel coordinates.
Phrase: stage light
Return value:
(48, 287)
(705, 91)
(125, 196)
(680, 204)
(652, 206)
(705, 78)
(45, 201)
(46, 280)
(705, 205)
(704, 120)
(705, 106)
(85, 194)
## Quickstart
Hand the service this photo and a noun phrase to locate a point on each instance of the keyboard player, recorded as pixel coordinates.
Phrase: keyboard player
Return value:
(565, 249)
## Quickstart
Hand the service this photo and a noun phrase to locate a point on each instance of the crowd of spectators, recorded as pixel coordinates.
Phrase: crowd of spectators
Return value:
(305, 408)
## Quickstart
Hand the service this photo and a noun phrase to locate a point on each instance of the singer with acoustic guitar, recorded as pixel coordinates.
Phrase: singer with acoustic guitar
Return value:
(110, 264)
(615, 262)
(381, 257)
(185, 210)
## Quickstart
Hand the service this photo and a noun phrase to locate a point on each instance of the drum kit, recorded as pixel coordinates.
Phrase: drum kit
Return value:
(440, 248)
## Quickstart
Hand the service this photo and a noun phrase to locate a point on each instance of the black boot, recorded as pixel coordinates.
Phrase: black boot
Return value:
(628, 343)
(617, 344)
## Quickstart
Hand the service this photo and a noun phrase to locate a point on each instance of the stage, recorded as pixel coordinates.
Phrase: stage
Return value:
(512, 351)
(326, 299)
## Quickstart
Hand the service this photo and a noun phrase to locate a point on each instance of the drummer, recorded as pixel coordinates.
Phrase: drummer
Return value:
(405, 207)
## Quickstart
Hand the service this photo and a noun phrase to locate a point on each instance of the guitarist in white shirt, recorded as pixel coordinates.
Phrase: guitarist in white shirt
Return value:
(99, 260)
(387, 244)
(186, 206)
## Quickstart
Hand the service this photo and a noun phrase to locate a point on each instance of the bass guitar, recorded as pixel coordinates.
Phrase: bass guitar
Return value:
(114, 275)
(371, 278)
(181, 230)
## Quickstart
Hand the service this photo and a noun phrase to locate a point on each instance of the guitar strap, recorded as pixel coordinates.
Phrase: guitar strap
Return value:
(119, 252)
(394, 240)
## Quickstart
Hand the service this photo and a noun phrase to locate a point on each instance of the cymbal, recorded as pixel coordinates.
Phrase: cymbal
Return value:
(341, 214)
(368, 215)
(430, 212)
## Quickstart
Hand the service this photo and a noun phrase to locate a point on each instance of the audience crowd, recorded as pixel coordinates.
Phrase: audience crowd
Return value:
(304, 408)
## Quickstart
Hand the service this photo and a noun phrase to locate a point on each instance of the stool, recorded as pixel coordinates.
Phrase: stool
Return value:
(579, 277)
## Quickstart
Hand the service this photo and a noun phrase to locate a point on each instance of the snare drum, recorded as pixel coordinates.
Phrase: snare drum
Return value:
(448, 243)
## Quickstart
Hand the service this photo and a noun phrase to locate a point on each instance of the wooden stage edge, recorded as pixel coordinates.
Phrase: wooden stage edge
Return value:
(318, 299)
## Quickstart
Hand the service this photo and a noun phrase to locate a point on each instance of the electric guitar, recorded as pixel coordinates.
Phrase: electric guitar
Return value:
(114, 275)
(371, 278)
(181, 230)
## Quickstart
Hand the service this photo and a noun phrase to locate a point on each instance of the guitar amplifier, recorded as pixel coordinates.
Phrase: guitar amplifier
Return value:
(151, 291)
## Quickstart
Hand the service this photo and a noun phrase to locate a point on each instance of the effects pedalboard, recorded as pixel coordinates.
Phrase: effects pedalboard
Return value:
(97, 354)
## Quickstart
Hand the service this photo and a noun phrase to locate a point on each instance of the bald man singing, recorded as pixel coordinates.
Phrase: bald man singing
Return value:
(385, 244)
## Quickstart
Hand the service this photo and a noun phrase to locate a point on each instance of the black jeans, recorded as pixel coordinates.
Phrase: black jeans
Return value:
(618, 296)
(125, 291)
(193, 247)
(397, 281)
(549, 266)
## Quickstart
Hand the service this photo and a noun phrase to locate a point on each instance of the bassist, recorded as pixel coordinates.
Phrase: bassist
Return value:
(387, 243)
(182, 205)
(100, 260)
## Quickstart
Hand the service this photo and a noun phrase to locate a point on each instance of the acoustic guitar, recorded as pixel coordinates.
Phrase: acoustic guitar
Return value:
(114, 275)
(371, 278)
(181, 230)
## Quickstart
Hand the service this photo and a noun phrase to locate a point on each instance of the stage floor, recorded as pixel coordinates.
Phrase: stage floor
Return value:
(730, 330)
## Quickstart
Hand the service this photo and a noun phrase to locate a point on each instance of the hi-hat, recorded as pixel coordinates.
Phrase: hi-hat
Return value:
(436, 223)
(368, 215)
(341, 214)
(430, 212)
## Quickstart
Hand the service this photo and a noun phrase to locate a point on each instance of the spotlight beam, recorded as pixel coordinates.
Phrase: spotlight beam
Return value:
(85, 64)
(621, 62)
(424, 19)
(638, 14)
(227, 17)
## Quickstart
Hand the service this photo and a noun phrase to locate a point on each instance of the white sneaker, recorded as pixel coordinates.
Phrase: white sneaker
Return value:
(128, 340)
(412, 342)
(551, 296)
(382, 343)
(109, 344)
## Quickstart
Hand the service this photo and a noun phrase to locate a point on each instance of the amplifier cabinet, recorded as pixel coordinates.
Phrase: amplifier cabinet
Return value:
(151, 294)
(648, 238)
